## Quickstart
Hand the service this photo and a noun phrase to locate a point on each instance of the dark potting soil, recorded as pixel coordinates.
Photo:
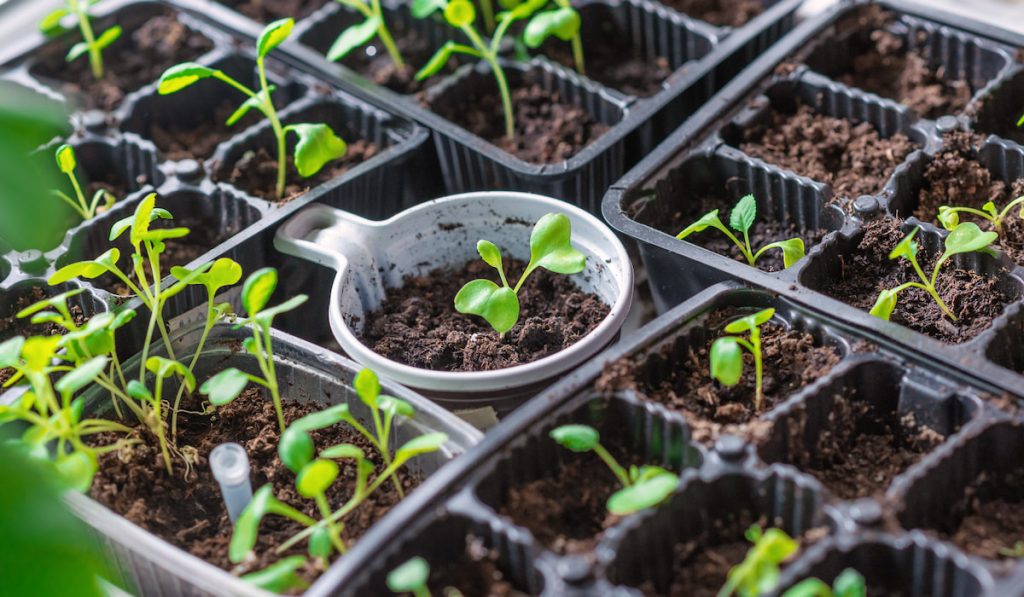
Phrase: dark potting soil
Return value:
(974, 298)
(956, 178)
(851, 157)
(548, 129)
(138, 58)
(612, 61)
(568, 513)
(476, 573)
(991, 518)
(723, 13)
(180, 142)
(12, 326)
(764, 231)
(256, 171)
(373, 61)
(265, 11)
(187, 509)
(417, 323)
(862, 449)
(679, 376)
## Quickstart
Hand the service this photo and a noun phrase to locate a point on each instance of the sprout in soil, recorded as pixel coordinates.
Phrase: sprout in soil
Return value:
(314, 477)
(86, 210)
(91, 44)
(550, 248)
(361, 33)
(950, 216)
(965, 238)
(1017, 551)
(742, 219)
(727, 353)
(317, 144)
(461, 15)
(96, 337)
(562, 22)
(758, 573)
(411, 577)
(849, 583)
(227, 385)
(642, 487)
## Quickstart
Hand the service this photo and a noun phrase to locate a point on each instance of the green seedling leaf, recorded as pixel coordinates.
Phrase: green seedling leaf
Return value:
(460, 13)
(792, 250)
(66, 159)
(223, 272)
(183, 75)
(142, 218)
(224, 387)
(82, 375)
(748, 323)
(108, 37)
(991, 208)
(948, 217)
(138, 390)
(53, 301)
(266, 316)
(743, 214)
(490, 253)
(274, 35)
(849, 583)
(50, 25)
(906, 248)
(316, 477)
(422, 9)
(10, 351)
(254, 102)
(76, 470)
(498, 305)
(320, 545)
(38, 351)
(410, 577)
(758, 573)
(885, 304)
(396, 406)
(551, 246)
(247, 527)
(726, 360)
(437, 61)
(967, 238)
(563, 23)
(353, 37)
(165, 368)
(343, 451)
(578, 438)
(367, 386)
(423, 444)
(708, 220)
(47, 317)
(77, 51)
(647, 493)
(317, 146)
(322, 419)
(257, 289)
(296, 449)
(86, 269)
(280, 577)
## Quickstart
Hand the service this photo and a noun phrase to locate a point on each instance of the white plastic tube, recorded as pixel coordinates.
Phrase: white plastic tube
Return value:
(230, 465)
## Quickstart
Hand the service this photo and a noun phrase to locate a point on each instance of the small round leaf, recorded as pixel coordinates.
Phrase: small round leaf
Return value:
(409, 577)
(726, 361)
(296, 449)
(258, 288)
(316, 477)
(578, 438)
(460, 13)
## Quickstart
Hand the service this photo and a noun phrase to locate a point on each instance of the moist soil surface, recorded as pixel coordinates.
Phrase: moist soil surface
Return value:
(548, 129)
(256, 171)
(373, 61)
(138, 58)
(975, 299)
(763, 232)
(723, 13)
(991, 518)
(476, 573)
(12, 326)
(851, 157)
(679, 377)
(180, 142)
(187, 509)
(417, 325)
(612, 61)
(265, 11)
(862, 449)
(568, 513)
(956, 178)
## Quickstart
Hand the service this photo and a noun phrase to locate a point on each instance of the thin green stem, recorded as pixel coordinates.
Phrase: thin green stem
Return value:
(613, 464)
(210, 319)
(159, 423)
(332, 530)
(79, 195)
(489, 55)
(755, 342)
(275, 123)
(267, 365)
(488, 9)
(85, 26)
(385, 37)
(577, 54)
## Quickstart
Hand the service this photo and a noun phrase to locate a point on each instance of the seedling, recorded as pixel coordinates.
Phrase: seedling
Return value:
(461, 15)
(727, 353)
(741, 219)
(758, 573)
(86, 210)
(314, 477)
(849, 583)
(317, 143)
(561, 22)
(965, 238)
(950, 216)
(550, 248)
(361, 33)
(410, 577)
(90, 45)
(1017, 551)
(227, 385)
(642, 487)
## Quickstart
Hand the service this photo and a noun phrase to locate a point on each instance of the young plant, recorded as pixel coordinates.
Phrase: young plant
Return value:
(849, 583)
(550, 248)
(90, 45)
(950, 216)
(1017, 551)
(758, 573)
(561, 22)
(86, 210)
(461, 15)
(727, 353)
(410, 577)
(741, 219)
(314, 477)
(642, 487)
(317, 143)
(361, 33)
(227, 385)
(965, 238)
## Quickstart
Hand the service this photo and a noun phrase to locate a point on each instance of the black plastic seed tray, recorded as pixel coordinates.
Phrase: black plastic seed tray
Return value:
(137, 146)
(702, 57)
(948, 436)
(709, 159)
